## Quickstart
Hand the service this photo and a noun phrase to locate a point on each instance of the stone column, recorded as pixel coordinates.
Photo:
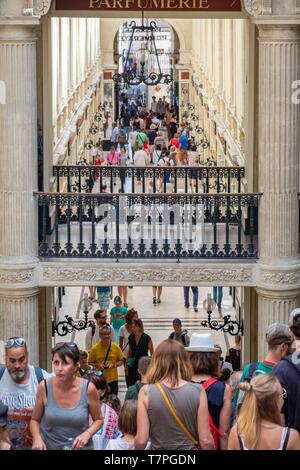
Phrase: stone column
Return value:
(278, 152)
(19, 317)
(18, 181)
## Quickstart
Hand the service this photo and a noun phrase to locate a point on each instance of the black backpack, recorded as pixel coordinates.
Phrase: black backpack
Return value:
(38, 373)
(296, 415)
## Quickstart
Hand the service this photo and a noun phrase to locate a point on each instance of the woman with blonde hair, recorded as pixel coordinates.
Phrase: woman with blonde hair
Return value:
(259, 423)
(172, 411)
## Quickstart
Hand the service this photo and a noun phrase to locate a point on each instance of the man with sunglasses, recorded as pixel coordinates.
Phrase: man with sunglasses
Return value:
(18, 387)
(92, 335)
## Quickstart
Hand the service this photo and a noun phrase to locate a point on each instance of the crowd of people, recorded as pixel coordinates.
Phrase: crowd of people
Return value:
(144, 137)
(182, 395)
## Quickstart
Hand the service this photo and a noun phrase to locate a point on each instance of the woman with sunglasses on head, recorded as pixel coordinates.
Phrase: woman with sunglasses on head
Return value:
(60, 419)
(259, 423)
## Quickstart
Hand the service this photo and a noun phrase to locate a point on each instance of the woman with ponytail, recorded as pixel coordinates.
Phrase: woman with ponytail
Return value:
(259, 422)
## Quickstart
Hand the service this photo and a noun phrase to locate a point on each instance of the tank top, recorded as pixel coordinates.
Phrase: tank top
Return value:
(61, 425)
(285, 435)
(165, 432)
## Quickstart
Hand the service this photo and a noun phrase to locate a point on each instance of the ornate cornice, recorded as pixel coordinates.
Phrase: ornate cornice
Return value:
(281, 278)
(258, 7)
(13, 276)
(161, 274)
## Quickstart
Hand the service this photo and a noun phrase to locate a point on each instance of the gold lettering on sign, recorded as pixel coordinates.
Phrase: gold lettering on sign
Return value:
(158, 4)
(204, 4)
(93, 3)
(143, 4)
(171, 4)
(150, 4)
(184, 2)
(118, 4)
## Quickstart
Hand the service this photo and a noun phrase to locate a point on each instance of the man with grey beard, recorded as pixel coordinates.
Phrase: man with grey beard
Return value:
(18, 387)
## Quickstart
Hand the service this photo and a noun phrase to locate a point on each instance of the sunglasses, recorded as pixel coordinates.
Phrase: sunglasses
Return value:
(283, 394)
(98, 373)
(68, 345)
(10, 343)
(103, 318)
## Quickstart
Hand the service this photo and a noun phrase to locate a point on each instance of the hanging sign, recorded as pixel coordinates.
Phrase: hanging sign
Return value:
(148, 5)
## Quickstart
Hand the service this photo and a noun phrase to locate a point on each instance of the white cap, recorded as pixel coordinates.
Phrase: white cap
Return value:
(201, 342)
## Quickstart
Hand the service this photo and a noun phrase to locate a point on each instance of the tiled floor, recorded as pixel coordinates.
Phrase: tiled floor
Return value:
(157, 319)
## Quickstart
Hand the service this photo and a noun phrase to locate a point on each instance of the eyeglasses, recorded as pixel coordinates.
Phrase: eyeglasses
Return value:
(98, 373)
(10, 343)
(68, 345)
(283, 394)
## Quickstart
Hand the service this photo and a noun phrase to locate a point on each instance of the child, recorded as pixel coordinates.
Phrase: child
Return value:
(128, 427)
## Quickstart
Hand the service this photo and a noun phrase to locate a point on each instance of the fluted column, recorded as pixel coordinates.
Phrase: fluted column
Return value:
(279, 124)
(273, 307)
(18, 181)
(278, 151)
(18, 149)
(19, 317)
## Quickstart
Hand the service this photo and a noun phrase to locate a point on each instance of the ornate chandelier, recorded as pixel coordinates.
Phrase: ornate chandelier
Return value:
(135, 71)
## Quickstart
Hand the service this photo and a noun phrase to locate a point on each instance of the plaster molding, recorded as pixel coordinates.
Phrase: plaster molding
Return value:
(280, 278)
(16, 276)
(258, 7)
(122, 274)
(41, 7)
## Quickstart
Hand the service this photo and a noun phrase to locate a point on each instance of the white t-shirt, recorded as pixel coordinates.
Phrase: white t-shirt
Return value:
(123, 333)
(140, 158)
(120, 444)
(20, 399)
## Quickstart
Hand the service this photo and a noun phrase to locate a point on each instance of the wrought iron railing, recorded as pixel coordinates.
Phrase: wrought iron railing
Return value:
(131, 179)
(172, 226)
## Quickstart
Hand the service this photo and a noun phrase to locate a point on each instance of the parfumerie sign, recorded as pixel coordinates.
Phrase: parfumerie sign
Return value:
(133, 5)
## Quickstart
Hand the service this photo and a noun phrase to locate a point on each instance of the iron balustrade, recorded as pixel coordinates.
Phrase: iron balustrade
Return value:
(90, 178)
(148, 226)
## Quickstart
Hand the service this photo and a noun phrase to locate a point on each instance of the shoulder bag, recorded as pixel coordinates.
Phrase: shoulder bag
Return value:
(185, 430)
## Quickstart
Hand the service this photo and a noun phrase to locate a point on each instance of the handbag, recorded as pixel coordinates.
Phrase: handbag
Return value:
(185, 430)
(131, 360)
(122, 139)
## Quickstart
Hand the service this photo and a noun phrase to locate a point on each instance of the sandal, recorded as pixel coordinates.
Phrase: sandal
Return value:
(126, 304)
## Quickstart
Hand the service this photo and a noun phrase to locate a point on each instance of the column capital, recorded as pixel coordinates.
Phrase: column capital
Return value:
(258, 7)
(19, 31)
(276, 295)
(41, 7)
(282, 32)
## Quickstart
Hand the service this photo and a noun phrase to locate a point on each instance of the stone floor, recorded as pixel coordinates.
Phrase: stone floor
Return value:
(157, 319)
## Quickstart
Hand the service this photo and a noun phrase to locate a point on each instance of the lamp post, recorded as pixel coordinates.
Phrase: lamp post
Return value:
(225, 323)
(62, 328)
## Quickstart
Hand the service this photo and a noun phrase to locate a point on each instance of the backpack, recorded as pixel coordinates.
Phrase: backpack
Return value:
(38, 373)
(296, 414)
(253, 371)
(213, 429)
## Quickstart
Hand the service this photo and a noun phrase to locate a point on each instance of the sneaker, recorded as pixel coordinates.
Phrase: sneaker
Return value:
(196, 309)
(186, 306)
(154, 300)
(158, 301)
